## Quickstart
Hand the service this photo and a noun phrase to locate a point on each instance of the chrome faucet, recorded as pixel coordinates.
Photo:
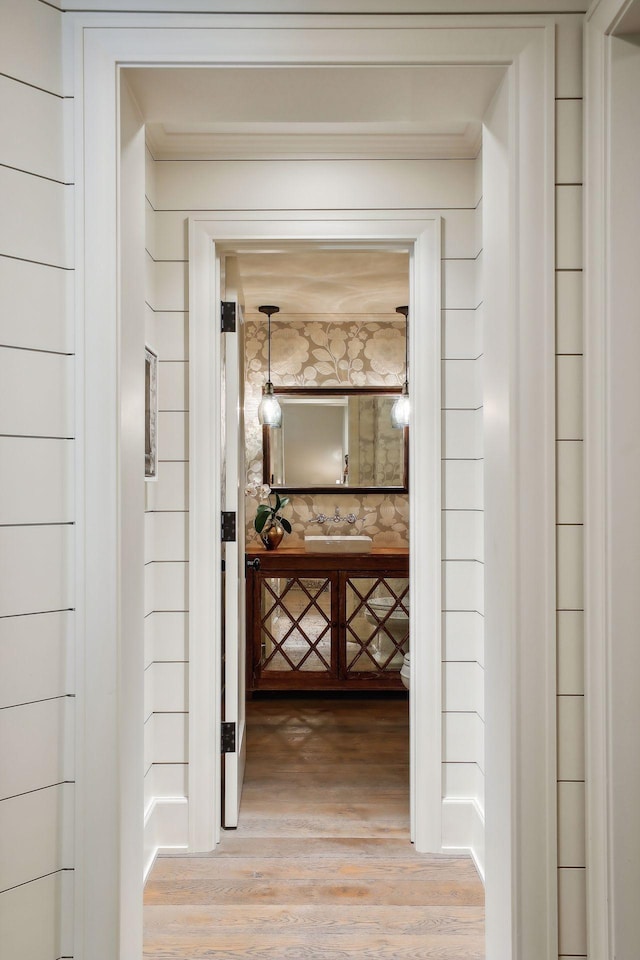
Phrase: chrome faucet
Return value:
(336, 518)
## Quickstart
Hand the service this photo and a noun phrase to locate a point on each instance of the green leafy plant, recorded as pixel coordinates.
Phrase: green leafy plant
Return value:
(270, 513)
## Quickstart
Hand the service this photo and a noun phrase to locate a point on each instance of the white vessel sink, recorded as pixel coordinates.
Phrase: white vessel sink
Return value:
(338, 544)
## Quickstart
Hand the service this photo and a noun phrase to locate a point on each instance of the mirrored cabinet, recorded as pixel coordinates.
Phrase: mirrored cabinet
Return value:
(329, 622)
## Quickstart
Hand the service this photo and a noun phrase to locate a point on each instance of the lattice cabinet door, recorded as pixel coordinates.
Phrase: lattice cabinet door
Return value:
(374, 617)
(294, 625)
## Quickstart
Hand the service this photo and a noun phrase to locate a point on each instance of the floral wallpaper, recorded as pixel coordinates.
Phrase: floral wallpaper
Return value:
(317, 353)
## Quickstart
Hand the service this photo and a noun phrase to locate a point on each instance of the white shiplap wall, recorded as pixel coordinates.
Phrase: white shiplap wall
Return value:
(569, 437)
(448, 188)
(166, 583)
(463, 549)
(36, 491)
(37, 485)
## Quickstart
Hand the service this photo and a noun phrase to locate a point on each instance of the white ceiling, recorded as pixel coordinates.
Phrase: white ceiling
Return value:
(630, 22)
(239, 112)
(326, 284)
(318, 112)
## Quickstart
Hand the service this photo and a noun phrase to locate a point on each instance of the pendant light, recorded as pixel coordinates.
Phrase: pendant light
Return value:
(269, 412)
(401, 409)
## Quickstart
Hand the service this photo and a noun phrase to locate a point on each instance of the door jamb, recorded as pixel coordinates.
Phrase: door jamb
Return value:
(606, 397)
(207, 238)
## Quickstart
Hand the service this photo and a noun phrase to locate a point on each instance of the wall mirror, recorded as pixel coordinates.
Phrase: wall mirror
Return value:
(336, 440)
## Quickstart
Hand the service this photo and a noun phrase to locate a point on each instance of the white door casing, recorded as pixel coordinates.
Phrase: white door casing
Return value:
(611, 470)
(523, 848)
(422, 238)
(234, 599)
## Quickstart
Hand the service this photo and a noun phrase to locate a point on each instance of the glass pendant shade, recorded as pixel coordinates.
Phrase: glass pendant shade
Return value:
(401, 409)
(269, 411)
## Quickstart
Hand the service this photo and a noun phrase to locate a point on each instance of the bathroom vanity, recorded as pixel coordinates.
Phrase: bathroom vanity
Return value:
(329, 621)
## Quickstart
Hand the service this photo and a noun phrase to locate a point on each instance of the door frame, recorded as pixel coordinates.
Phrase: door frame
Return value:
(209, 239)
(234, 669)
(611, 466)
(521, 857)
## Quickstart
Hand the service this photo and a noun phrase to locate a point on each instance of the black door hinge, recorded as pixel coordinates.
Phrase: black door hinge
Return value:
(228, 738)
(227, 316)
(228, 526)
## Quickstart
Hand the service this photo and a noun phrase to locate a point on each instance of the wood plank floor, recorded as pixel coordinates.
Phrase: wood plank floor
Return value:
(320, 867)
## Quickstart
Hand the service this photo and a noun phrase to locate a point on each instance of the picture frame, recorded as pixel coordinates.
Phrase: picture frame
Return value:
(150, 414)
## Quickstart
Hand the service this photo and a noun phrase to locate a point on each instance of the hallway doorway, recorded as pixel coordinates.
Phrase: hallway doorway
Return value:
(320, 865)
(327, 766)
(521, 704)
(211, 241)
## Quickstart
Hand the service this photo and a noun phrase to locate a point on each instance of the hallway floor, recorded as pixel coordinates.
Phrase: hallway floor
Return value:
(320, 866)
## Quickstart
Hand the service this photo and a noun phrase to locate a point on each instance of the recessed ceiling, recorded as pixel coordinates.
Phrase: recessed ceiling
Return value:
(319, 112)
(326, 284)
(629, 24)
(314, 111)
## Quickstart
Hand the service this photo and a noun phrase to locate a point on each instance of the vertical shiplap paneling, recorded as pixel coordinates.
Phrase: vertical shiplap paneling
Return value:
(463, 519)
(36, 462)
(151, 488)
(569, 482)
(166, 525)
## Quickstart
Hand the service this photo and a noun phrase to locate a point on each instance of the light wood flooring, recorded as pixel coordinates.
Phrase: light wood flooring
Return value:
(320, 867)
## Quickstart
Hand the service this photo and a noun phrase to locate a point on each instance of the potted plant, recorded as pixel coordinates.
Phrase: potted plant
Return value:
(269, 522)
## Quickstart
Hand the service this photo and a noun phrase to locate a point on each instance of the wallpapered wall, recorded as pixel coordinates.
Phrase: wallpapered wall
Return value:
(325, 353)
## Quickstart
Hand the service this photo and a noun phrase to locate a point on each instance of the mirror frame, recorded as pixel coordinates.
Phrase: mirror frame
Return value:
(336, 488)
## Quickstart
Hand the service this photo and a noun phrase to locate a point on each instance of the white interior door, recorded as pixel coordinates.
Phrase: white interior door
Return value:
(233, 705)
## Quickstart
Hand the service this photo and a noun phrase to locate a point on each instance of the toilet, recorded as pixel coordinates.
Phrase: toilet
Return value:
(405, 670)
(397, 624)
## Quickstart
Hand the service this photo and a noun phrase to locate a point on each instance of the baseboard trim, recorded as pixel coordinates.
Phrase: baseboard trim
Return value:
(166, 828)
(463, 829)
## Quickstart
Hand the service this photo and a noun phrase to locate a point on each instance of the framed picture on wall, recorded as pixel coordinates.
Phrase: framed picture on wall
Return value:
(150, 414)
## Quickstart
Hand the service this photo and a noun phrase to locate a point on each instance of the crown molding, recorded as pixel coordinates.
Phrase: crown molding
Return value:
(313, 146)
(335, 7)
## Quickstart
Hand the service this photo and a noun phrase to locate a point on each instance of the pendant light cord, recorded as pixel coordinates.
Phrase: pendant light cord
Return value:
(268, 309)
(406, 349)
(405, 312)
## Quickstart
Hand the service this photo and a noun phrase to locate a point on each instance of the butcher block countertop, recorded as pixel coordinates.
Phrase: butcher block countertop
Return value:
(298, 550)
(295, 557)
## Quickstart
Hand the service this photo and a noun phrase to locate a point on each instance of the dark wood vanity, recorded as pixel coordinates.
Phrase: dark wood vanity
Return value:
(330, 621)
